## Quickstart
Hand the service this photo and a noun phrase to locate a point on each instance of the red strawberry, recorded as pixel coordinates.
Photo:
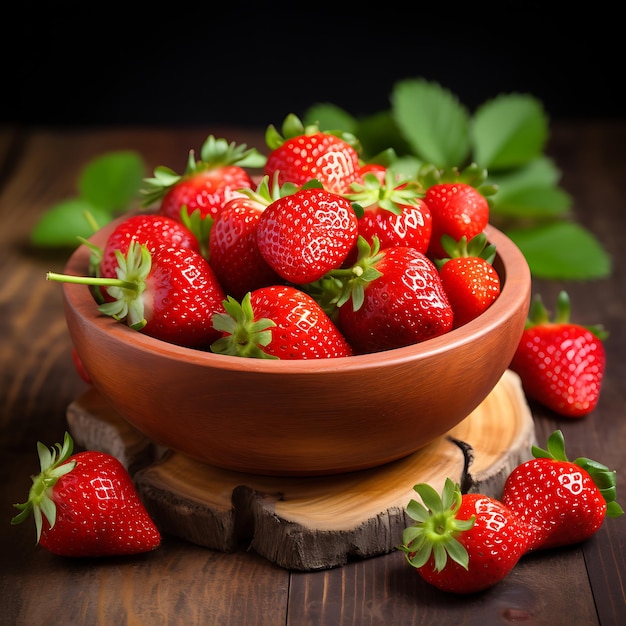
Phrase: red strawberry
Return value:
(80, 367)
(395, 298)
(170, 295)
(561, 364)
(560, 502)
(278, 322)
(393, 211)
(234, 253)
(462, 543)
(458, 210)
(154, 230)
(206, 184)
(86, 505)
(468, 276)
(301, 154)
(305, 234)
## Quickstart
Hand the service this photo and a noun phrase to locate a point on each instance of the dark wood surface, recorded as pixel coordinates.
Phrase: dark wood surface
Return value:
(181, 583)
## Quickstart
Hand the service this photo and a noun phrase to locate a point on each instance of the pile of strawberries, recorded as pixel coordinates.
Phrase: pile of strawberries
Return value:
(325, 256)
(464, 543)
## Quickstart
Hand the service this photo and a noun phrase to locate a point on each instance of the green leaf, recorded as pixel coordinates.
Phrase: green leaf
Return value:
(378, 132)
(112, 180)
(562, 251)
(62, 224)
(330, 117)
(509, 131)
(541, 171)
(531, 202)
(433, 122)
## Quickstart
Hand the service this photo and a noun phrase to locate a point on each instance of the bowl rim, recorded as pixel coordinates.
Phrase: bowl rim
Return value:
(514, 273)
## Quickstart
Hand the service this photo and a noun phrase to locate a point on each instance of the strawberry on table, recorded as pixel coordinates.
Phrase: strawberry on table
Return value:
(301, 154)
(307, 233)
(169, 295)
(560, 502)
(206, 183)
(468, 276)
(86, 505)
(462, 543)
(278, 322)
(560, 363)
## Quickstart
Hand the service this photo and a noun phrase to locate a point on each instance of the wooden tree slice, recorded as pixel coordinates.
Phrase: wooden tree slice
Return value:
(310, 523)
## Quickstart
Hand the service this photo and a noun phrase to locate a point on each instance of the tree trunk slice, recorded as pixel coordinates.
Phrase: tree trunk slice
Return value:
(310, 523)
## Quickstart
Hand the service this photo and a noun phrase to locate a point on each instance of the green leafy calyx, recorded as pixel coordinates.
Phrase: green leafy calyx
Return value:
(540, 316)
(53, 464)
(244, 336)
(436, 527)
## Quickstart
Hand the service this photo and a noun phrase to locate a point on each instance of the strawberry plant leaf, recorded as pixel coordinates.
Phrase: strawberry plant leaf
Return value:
(112, 180)
(329, 116)
(562, 250)
(530, 191)
(62, 224)
(380, 131)
(509, 131)
(433, 122)
(530, 202)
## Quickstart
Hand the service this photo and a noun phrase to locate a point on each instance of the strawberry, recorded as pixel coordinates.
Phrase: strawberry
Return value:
(561, 364)
(153, 230)
(206, 184)
(80, 367)
(560, 502)
(307, 233)
(462, 543)
(393, 211)
(278, 322)
(468, 276)
(86, 505)
(389, 299)
(302, 153)
(169, 295)
(458, 210)
(234, 252)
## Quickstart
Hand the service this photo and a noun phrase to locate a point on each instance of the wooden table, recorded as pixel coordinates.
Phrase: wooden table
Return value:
(182, 583)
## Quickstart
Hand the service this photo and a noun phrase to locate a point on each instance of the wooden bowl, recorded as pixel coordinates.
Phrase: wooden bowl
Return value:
(299, 418)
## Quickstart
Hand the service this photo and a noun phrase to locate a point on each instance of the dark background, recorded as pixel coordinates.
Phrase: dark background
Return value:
(193, 65)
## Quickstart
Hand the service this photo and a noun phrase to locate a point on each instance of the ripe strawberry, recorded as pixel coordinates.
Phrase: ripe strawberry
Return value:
(234, 252)
(278, 322)
(394, 298)
(458, 210)
(206, 184)
(80, 367)
(86, 505)
(152, 229)
(170, 295)
(393, 211)
(482, 537)
(560, 502)
(468, 276)
(561, 364)
(302, 154)
(307, 233)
